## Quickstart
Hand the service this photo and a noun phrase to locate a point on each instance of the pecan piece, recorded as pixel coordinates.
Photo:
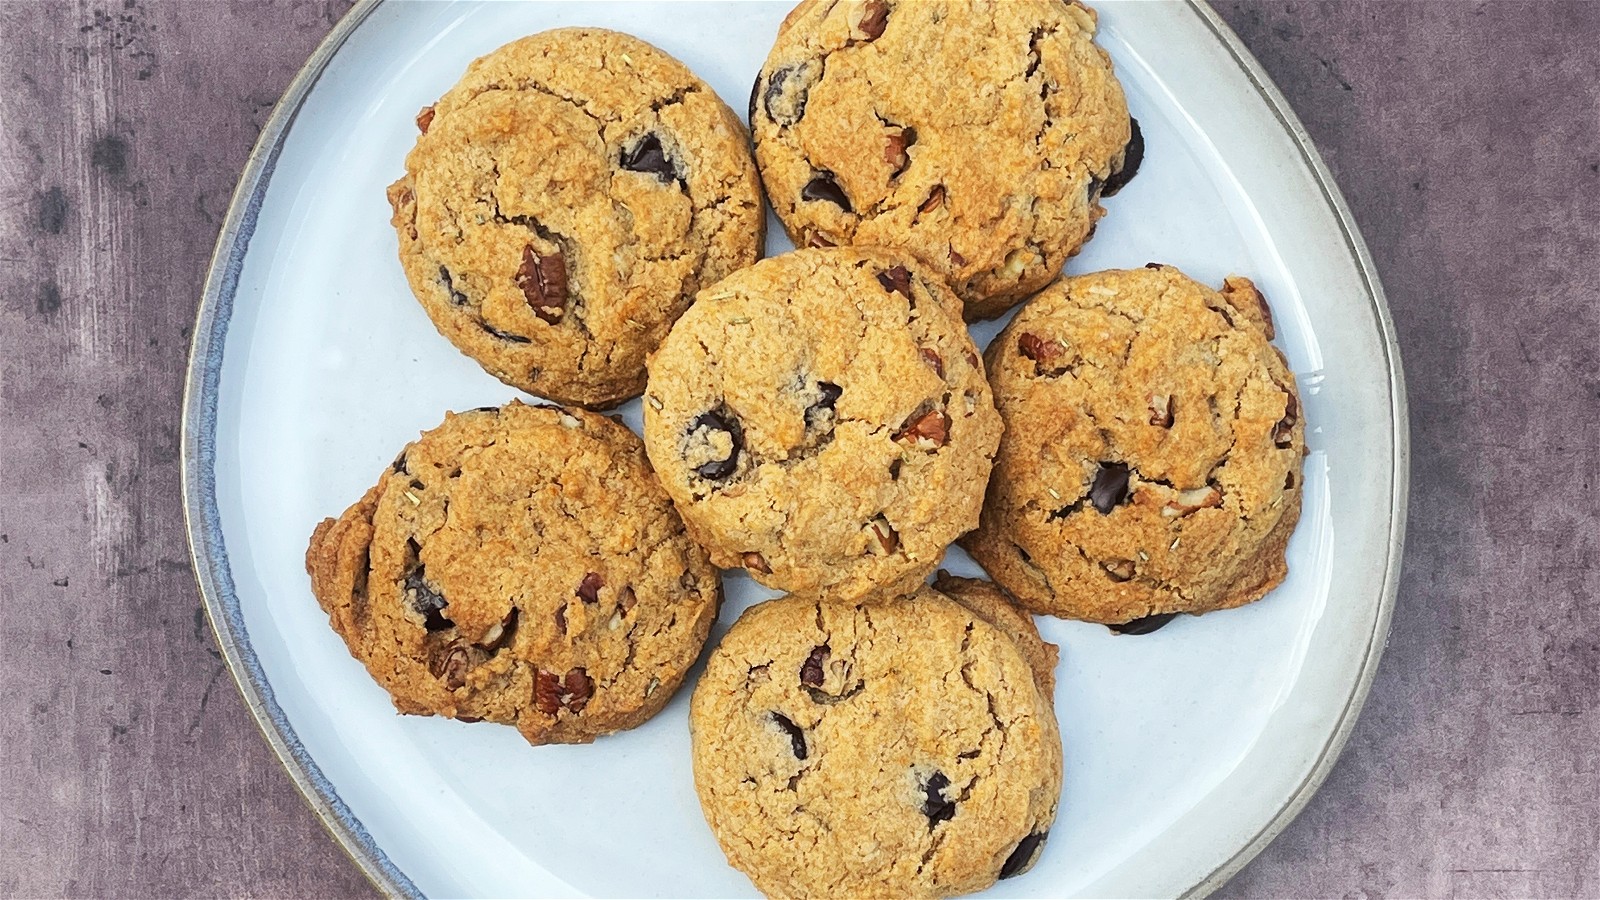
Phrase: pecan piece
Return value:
(1160, 410)
(896, 280)
(1186, 502)
(928, 431)
(867, 20)
(547, 692)
(1283, 432)
(424, 119)
(888, 540)
(895, 146)
(1119, 569)
(577, 690)
(543, 281)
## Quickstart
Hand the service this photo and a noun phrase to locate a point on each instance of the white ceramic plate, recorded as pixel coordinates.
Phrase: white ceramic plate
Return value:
(1187, 749)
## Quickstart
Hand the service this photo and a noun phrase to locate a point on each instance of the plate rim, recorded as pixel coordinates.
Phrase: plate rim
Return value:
(208, 553)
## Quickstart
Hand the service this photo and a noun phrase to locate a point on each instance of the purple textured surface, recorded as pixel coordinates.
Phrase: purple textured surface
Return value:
(1466, 138)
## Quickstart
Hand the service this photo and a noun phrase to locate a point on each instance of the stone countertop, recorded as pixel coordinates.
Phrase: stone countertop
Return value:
(1464, 135)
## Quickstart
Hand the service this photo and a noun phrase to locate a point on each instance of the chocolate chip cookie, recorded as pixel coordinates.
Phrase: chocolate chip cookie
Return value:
(878, 747)
(563, 204)
(822, 420)
(1153, 449)
(978, 135)
(519, 565)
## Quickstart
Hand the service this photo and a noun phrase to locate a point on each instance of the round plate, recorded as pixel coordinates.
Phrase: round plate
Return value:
(1187, 749)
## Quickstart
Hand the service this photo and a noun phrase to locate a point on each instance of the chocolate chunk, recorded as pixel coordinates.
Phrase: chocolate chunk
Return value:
(543, 282)
(426, 601)
(1096, 190)
(1157, 266)
(822, 186)
(934, 805)
(649, 157)
(1132, 156)
(505, 335)
(399, 465)
(589, 588)
(896, 280)
(820, 414)
(449, 283)
(718, 420)
(1110, 486)
(785, 97)
(1023, 856)
(1144, 625)
(811, 670)
(797, 738)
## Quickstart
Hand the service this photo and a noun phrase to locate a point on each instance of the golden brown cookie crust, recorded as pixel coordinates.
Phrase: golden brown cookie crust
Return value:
(822, 420)
(874, 748)
(519, 565)
(989, 602)
(564, 203)
(976, 135)
(1154, 439)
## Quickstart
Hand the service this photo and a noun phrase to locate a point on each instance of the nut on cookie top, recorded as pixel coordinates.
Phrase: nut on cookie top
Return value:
(563, 203)
(1152, 461)
(519, 565)
(978, 135)
(882, 747)
(822, 420)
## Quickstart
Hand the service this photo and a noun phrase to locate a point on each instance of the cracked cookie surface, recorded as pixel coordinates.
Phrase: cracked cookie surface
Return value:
(519, 565)
(822, 420)
(1154, 440)
(563, 204)
(978, 135)
(883, 747)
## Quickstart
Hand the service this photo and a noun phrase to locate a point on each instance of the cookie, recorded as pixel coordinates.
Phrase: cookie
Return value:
(519, 565)
(1153, 449)
(822, 420)
(979, 136)
(875, 748)
(563, 204)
